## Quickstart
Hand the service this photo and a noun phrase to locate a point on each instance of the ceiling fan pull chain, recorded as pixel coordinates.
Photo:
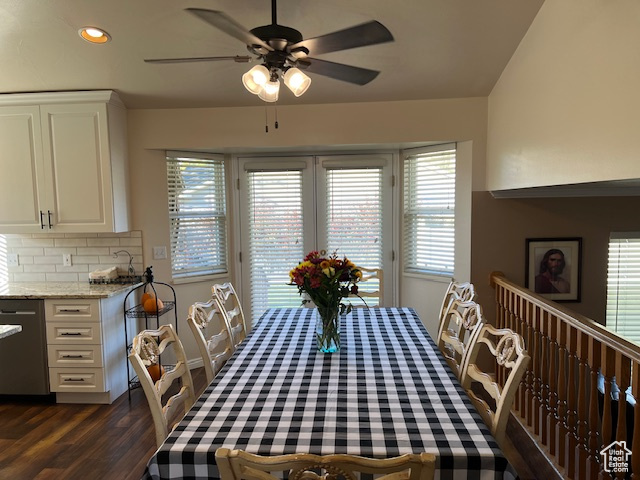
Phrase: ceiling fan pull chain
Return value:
(276, 110)
(266, 120)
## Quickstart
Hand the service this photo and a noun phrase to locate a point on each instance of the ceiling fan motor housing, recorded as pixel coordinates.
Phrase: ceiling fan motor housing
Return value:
(277, 36)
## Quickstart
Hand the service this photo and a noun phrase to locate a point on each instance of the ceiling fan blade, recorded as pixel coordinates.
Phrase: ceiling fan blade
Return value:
(339, 71)
(371, 33)
(237, 59)
(228, 25)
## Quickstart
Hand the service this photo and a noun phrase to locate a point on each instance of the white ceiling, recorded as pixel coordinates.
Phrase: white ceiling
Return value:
(442, 48)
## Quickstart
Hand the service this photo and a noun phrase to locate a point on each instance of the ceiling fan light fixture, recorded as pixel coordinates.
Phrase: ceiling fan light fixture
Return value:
(255, 79)
(296, 81)
(270, 91)
(94, 35)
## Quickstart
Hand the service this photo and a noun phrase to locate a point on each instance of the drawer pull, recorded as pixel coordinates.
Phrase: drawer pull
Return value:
(71, 334)
(73, 380)
(70, 310)
(73, 356)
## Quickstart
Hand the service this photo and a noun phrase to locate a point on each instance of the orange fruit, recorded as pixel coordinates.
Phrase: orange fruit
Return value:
(152, 305)
(155, 371)
(146, 296)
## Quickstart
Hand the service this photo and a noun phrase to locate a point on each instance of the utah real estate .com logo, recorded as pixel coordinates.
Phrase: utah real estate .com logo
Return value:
(615, 457)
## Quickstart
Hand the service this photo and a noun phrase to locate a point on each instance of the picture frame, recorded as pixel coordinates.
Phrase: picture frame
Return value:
(554, 268)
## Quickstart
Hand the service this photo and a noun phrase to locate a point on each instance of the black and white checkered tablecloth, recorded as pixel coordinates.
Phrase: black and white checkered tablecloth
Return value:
(386, 393)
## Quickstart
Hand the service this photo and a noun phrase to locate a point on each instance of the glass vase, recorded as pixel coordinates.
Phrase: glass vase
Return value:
(328, 329)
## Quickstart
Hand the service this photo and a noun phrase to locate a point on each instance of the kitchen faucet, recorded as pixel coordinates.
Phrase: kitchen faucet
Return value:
(132, 271)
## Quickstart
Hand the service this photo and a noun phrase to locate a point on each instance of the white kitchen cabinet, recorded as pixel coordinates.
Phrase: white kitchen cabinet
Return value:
(86, 349)
(63, 158)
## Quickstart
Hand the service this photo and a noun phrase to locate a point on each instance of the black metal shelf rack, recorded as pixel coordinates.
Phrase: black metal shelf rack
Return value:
(138, 312)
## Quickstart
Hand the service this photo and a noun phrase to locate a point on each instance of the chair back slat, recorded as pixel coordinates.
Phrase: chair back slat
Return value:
(461, 321)
(507, 349)
(240, 465)
(212, 333)
(230, 304)
(147, 348)
(371, 275)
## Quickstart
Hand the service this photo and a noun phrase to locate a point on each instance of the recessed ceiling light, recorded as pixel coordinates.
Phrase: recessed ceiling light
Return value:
(94, 35)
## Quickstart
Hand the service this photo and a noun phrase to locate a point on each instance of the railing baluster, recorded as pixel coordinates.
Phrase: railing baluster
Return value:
(594, 443)
(581, 431)
(559, 399)
(623, 372)
(522, 330)
(570, 415)
(552, 415)
(561, 416)
(543, 409)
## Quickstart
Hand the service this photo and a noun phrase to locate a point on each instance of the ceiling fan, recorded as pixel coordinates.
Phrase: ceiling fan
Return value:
(283, 53)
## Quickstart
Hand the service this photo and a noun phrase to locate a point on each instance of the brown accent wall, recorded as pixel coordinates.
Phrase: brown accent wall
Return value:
(500, 228)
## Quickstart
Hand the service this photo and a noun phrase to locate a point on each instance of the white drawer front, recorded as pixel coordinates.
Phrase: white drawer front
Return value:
(77, 380)
(73, 333)
(69, 310)
(75, 355)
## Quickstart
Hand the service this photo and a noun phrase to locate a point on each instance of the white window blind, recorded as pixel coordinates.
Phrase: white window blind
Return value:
(354, 217)
(197, 214)
(623, 285)
(275, 237)
(429, 211)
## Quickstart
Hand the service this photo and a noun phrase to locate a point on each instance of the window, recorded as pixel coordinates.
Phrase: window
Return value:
(353, 212)
(275, 235)
(623, 285)
(292, 205)
(197, 214)
(429, 210)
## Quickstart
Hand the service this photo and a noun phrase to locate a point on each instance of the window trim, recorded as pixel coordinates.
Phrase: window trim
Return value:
(212, 273)
(440, 276)
(612, 320)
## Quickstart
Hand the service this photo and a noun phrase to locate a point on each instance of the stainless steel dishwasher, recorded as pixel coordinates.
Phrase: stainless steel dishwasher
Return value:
(23, 356)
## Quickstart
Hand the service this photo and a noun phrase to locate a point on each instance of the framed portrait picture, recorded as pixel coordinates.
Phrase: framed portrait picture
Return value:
(553, 268)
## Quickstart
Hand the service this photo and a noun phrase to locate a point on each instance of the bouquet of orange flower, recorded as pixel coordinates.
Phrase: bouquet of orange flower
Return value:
(327, 280)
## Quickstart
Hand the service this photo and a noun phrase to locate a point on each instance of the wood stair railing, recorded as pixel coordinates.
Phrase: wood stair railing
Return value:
(558, 400)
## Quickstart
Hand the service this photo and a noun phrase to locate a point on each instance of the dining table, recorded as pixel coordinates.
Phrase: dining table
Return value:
(388, 391)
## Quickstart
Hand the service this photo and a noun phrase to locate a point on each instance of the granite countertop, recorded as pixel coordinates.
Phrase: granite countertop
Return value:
(21, 290)
(6, 330)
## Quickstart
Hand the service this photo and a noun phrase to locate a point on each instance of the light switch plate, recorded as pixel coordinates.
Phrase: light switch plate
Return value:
(66, 259)
(12, 260)
(159, 253)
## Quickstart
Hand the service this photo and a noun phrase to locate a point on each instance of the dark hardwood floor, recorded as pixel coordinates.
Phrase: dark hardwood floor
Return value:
(43, 440)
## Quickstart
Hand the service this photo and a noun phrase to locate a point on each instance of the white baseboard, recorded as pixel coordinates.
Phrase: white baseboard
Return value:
(195, 363)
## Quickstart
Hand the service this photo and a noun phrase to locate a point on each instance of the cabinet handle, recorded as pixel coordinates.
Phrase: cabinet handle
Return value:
(70, 310)
(73, 356)
(73, 379)
(49, 214)
(41, 220)
(70, 334)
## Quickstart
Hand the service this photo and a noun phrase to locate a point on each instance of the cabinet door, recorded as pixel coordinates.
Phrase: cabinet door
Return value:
(76, 155)
(21, 164)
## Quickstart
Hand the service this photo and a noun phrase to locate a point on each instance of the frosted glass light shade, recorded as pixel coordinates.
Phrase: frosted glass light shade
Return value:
(270, 91)
(296, 81)
(255, 79)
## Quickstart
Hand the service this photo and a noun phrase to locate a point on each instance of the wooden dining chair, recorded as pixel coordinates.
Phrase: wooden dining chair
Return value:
(146, 349)
(212, 334)
(507, 349)
(374, 276)
(240, 465)
(456, 332)
(232, 309)
(464, 291)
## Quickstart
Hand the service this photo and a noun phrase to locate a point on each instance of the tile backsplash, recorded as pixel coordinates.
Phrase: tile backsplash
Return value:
(40, 255)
